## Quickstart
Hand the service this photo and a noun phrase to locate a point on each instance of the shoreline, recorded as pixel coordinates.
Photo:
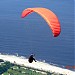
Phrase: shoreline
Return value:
(36, 65)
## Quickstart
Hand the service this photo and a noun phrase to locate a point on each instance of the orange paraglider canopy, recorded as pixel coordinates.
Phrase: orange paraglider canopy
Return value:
(49, 17)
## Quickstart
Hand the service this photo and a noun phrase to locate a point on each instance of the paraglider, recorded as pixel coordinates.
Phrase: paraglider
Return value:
(31, 58)
(49, 17)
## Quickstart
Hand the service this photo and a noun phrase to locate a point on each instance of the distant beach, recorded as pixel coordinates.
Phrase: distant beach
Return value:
(36, 65)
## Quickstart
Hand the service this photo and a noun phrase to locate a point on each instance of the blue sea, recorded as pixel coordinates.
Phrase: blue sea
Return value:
(33, 35)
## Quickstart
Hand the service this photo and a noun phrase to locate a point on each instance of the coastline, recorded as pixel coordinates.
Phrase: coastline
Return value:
(36, 65)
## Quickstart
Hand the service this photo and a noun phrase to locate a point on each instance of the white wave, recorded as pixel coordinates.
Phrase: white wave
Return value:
(36, 65)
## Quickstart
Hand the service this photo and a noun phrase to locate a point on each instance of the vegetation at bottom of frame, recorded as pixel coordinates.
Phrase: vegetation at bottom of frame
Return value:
(7, 68)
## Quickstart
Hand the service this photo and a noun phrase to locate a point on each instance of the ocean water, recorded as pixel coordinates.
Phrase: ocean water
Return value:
(32, 34)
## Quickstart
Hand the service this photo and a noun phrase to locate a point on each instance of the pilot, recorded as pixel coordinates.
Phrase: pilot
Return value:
(31, 58)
